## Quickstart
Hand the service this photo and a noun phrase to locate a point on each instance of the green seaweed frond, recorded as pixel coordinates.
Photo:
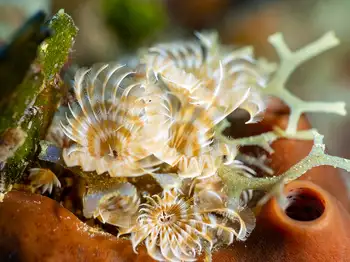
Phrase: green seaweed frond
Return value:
(54, 52)
(35, 100)
(237, 183)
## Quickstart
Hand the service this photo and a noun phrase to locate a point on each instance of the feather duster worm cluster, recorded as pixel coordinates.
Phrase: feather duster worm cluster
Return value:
(128, 121)
(160, 119)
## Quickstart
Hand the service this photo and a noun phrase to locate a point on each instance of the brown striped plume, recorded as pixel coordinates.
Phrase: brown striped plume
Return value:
(105, 123)
(210, 196)
(44, 179)
(210, 74)
(55, 132)
(173, 228)
(187, 139)
(117, 206)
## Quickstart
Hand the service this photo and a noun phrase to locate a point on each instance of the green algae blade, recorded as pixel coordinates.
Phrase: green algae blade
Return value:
(32, 104)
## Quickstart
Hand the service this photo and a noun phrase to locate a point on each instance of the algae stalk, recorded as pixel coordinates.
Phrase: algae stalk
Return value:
(35, 100)
(236, 183)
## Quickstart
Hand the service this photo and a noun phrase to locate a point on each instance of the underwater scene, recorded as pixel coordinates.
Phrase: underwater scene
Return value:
(174, 130)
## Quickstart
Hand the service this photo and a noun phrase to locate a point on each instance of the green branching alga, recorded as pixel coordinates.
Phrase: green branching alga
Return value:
(289, 61)
(235, 181)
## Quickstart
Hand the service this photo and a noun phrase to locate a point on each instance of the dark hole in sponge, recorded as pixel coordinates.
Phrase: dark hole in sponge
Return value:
(304, 205)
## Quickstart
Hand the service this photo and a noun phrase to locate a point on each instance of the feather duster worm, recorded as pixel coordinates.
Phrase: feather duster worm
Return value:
(197, 69)
(106, 123)
(187, 140)
(55, 133)
(117, 206)
(175, 229)
(43, 178)
(210, 196)
(185, 129)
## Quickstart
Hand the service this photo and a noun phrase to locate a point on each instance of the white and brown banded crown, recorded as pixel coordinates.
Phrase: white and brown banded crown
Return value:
(174, 228)
(117, 206)
(210, 73)
(106, 121)
(188, 140)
